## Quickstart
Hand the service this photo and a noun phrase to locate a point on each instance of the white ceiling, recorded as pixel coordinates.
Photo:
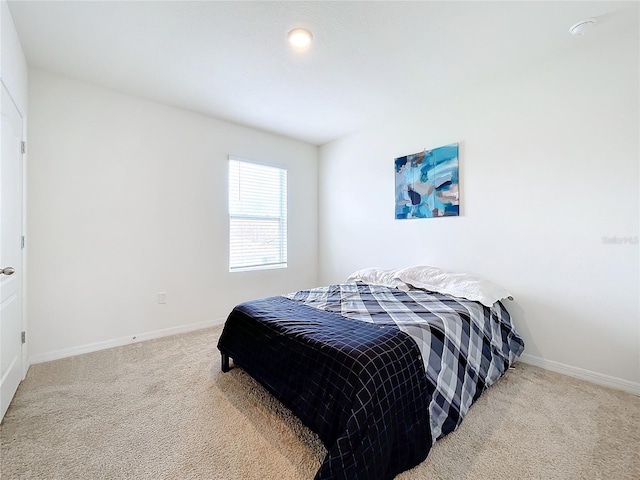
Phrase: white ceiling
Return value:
(231, 60)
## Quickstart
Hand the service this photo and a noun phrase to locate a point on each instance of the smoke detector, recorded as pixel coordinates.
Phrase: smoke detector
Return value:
(582, 26)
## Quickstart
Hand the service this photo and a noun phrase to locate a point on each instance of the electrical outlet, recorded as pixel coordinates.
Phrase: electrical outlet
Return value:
(162, 297)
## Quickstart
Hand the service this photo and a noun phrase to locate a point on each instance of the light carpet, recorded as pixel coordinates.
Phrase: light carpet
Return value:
(163, 410)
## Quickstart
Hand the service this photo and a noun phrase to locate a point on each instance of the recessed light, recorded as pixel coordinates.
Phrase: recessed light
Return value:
(299, 38)
(582, 26)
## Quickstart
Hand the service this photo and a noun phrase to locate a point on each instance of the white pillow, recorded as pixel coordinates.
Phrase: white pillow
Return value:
(456, 284)
(378, 276)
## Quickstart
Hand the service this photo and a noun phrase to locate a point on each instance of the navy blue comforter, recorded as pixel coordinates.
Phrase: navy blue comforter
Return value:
(360, 386)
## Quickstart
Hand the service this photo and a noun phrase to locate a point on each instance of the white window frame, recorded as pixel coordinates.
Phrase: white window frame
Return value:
(282, 217)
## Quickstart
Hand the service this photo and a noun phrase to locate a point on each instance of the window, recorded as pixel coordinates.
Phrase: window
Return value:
(257, 216)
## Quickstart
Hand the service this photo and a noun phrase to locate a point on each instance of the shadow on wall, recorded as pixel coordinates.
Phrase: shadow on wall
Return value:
(610, 358)
(519, 320)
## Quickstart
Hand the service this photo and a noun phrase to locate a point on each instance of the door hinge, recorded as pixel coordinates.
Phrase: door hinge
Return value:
(23, 337)
(22, 241)
(23, 147)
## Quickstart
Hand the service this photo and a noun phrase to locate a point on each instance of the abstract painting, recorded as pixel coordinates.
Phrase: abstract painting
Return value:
(427, 183)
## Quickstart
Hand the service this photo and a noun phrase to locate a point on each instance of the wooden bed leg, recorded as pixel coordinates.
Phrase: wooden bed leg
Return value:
(225, 362)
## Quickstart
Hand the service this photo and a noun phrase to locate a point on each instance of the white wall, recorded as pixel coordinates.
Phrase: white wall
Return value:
(549, 166)
(13, 66)
(128, 198)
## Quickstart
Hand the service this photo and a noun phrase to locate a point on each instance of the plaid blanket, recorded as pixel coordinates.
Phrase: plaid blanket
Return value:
(465, 346)
(360, 386)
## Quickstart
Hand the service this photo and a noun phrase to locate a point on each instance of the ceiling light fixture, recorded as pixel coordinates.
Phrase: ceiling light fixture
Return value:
(299, 38)
(582, 26)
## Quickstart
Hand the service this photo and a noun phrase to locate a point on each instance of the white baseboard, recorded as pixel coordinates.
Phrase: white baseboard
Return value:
(117, 342)
(582, 374)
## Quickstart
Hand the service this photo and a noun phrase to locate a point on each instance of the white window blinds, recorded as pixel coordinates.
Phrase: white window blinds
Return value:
(257, 216)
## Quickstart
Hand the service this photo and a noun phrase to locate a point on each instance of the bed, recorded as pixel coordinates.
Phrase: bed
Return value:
(380, 366)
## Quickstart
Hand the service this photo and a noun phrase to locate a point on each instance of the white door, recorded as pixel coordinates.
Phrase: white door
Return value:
(10, 251)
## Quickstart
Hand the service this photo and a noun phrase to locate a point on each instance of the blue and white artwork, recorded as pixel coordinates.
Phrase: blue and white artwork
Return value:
(427, 184)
